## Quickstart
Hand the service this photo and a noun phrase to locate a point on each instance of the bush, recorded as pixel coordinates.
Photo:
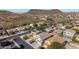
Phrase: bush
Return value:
(56, 45)
(25, 37)
(35, 25)
(75, 40)
(77, 30)
(41, 28)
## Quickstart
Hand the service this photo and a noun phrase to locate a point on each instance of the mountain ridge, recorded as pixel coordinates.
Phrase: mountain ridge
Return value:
(42, 11)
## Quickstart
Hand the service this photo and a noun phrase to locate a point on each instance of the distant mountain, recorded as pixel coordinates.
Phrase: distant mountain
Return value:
(7, 14)
(40, 11)
(11, 20)
(4, 12)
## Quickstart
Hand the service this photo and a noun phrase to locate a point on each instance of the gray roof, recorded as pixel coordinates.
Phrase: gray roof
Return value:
(49, 29)
(35, 45)
(44, 35)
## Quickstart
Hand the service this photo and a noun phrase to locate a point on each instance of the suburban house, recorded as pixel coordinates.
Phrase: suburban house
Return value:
(21, 28)
(54, 38)
(27, 27)
(60, 26)
(36, 31)
(49, 29)
(57, 31)
(12, 31)
(77, 38)
(68, 34)
(75, 28)
(15, 30)
(76, 23)
(1, 26)
(43, 18)
(32, 40)
(1, 31)
(31, 25)
(43, 36)
(40, 39)
(72, 45)
(40, 23)
(8, 44)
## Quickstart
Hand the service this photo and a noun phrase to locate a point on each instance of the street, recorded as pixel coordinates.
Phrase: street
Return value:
(21, 42)
(18, 39)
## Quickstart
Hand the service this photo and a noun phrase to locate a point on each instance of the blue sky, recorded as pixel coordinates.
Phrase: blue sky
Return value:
(18, 10)
(70, 10)
(25, 10)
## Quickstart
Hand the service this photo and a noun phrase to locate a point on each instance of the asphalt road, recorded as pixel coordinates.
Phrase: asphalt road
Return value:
(15, 35)
(21, 42)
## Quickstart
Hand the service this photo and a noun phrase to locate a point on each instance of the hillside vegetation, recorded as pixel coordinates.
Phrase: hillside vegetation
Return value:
(11, 20)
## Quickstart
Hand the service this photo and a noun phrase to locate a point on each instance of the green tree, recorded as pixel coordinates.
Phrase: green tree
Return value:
(35, 25)
(41, 28)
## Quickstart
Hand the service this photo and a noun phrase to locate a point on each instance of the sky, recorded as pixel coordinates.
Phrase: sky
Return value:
(18, 10)
(26, 10)
(70, 10)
